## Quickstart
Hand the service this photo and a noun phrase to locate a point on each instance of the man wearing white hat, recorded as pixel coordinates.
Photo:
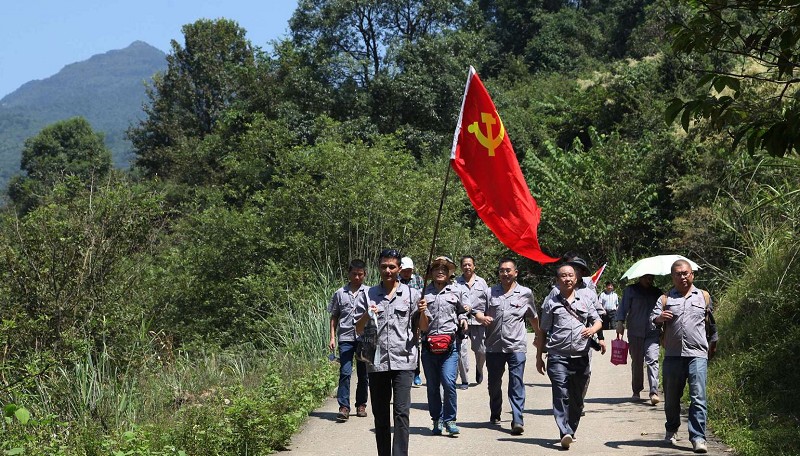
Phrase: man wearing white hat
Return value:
(414, 281)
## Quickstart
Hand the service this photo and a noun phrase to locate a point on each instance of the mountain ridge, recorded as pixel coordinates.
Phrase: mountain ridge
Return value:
(107, 89)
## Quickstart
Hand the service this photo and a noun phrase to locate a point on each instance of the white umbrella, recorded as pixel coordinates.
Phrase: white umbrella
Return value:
(657, 265)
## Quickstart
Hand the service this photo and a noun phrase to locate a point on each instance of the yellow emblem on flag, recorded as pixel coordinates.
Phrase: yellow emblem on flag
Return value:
(487, 140)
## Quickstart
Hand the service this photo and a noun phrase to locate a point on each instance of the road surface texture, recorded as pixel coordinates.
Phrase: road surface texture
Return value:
(613, 424)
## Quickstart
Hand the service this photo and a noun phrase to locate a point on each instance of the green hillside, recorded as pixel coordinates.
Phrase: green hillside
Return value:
(107, 89)
(178, 307)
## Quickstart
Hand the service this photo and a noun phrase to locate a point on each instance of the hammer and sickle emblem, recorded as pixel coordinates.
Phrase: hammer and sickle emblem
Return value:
(488, 141)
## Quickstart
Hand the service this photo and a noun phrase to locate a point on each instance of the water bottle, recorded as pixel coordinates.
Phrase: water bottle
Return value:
(332, 357)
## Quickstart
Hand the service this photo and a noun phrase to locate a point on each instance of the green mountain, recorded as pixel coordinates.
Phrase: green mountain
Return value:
(107, 89)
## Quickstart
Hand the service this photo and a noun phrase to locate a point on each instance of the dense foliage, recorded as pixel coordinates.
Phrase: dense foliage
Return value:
(175, 308)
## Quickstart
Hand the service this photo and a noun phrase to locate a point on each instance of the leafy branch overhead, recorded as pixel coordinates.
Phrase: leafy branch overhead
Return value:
(751, 91)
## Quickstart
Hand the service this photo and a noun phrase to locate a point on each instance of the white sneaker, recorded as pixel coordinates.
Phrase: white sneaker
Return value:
(566, 441)
(699, 446)
(672, 437)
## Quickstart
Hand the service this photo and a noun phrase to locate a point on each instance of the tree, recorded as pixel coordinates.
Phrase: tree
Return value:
(66, 150)
(69, 266)
(212, 72)
(353, 36)
(752, 94)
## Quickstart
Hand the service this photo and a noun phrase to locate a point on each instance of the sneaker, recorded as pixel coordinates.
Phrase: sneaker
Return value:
(417, 381)
(361, 411)
(636, 397)
(464, 386)
(478, 377)
(344, 414)
(671, 437)
(451, 428)
(566, 441)
(699, 446)
(437, 427)
(654, 399)
(517, 429)
(494, 420)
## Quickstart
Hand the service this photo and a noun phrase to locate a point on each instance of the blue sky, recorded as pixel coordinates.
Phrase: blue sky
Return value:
(38, 38)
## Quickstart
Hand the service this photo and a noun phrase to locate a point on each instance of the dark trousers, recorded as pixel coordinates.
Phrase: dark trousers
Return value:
(608, 319)
(496, 365)
(568, 378)
(383, 386)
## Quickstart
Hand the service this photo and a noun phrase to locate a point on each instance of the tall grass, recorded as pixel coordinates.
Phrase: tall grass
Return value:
(754, 405)
(248, 399)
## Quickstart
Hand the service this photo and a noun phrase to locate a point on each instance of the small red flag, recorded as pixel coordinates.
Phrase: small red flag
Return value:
(598, 273)
(483, 158)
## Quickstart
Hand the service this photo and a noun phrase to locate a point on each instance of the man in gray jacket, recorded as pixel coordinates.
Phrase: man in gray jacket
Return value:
(638, 301)
(571, 319)
(690, 339)
(510, 305)
(394, 306)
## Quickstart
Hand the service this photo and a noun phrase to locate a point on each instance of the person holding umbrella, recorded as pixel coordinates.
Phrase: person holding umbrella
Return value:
(638, 301)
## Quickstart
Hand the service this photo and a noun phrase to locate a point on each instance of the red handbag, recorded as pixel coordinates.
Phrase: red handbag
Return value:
(439, 343)
(619, 351)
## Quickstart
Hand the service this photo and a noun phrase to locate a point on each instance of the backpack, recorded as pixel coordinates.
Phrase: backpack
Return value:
(663, 299)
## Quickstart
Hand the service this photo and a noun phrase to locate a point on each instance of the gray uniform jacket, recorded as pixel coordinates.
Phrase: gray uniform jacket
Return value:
(477, 295)
(585, 291)
(396, 326)
(685, 334)
(565, 330)
(341, 307)
(507, 333)
(637, 305)
(444, 308)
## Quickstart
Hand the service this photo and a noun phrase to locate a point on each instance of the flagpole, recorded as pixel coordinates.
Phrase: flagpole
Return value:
(447, 177)
(436, 226)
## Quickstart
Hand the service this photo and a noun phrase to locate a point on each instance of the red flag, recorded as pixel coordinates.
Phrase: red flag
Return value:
(483, 158)
(598, 273)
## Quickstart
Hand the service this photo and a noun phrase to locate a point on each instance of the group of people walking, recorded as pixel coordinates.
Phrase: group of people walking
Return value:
(412, 323)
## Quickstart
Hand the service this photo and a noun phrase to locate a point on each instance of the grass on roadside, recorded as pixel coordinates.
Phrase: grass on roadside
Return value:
(205, 402)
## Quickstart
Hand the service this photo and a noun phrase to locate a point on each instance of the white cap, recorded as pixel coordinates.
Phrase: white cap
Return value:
(406, 263)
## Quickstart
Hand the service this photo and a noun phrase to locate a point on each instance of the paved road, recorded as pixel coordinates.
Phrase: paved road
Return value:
(613, 425)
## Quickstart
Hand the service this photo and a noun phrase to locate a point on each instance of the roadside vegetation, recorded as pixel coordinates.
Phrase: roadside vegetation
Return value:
(179, 308)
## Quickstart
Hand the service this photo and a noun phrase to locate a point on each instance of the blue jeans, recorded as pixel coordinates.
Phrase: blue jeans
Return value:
(441, 369)
(496, 365)
(346, 352)
(677, 370)
(568, 378)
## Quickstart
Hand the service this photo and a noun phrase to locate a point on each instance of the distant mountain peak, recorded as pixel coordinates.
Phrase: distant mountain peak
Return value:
(107, 89)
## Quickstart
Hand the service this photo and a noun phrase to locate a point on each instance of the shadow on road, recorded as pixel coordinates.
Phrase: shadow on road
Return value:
(419, 406)
(645, 444)
(608, 400)
(544, 443)
(539, 412)
(329, 416)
